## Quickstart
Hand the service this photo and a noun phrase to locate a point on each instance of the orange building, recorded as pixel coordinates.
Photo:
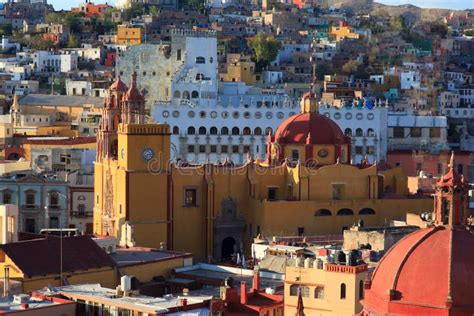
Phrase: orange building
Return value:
(90, 9)
(129, 35)
(343, 31)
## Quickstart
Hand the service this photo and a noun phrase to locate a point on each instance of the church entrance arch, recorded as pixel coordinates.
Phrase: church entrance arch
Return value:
(228, 248)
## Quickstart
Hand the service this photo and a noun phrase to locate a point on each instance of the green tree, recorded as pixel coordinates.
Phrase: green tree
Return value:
(265, 49)
(72, 41)
(154, 10)
(440, 29)
(70, 19)
(6, 30)
(398, 23)
(197, 5)
(350, 67)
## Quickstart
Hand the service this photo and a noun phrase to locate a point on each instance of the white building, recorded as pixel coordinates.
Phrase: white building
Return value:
(52, 62)
(237, 124)
(367, 126)
(410, 79)
(409, 131)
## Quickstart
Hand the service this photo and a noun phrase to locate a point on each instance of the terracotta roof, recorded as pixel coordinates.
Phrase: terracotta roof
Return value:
(42, 256)
(312, 128)
(425, 269)
(68, 141)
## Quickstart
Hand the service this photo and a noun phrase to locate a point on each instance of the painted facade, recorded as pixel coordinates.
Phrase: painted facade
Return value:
(212, 210)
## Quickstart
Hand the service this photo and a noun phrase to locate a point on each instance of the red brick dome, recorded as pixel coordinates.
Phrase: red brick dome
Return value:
(310, 128)
(429, 272)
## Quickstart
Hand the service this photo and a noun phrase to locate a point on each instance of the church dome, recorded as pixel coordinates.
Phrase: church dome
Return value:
(310, 128)
(429, 272)
(430, 268)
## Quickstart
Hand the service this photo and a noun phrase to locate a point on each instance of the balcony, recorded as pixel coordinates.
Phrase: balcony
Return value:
(345, 269)
(81, 214)
(30, 207)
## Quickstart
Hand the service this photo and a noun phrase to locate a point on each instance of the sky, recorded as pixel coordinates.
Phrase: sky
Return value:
(445, 4)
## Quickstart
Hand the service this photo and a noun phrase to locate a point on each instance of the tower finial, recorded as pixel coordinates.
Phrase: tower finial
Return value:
(451, 160)
(134, 79)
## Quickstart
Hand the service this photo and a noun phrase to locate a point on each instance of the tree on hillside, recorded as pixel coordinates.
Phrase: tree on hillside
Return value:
(398, 23)
(72, 41)
(70, 19)
(265, 49)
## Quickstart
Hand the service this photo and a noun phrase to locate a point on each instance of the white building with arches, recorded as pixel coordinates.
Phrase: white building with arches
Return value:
(236, 124)
(367, 126)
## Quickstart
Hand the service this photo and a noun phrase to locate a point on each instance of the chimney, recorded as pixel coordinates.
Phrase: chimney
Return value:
(256, 281)
(243, 293)
(183, 302)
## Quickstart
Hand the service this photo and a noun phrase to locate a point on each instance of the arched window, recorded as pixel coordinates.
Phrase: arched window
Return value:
(366, 211)
(294, 289)
(361, 290)
(370, 132)
(235, 131)
(247, 131)
(345, 212)
(177, 94)
(268, 130)
(348, 132)
(319, 292)
(323, 212)
(186, 95)
(343, 291)
(175, 130)
(225, 131)
(191, 130)
(213, 130)
(194, 94)
(359, 132)
(258, 131)
(202, 130)
(53, 199)
(200, 60)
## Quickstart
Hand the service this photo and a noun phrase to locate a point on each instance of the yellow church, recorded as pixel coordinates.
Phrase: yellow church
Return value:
(306, 187)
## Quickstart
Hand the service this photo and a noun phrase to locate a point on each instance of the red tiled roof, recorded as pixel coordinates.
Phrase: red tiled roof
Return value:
(42, 256)
(69, 141)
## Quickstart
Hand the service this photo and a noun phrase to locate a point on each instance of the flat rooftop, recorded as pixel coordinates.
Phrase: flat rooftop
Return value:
(140, 303)
(218, 274)
(137, 255)
(7, 304)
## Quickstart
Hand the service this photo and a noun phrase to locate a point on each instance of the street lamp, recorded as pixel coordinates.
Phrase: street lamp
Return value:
(46, 207)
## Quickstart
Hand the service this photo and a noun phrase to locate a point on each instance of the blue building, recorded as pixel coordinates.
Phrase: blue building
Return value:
(42, 200)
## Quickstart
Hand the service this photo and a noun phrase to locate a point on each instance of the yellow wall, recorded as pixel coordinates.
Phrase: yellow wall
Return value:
(106, 276)
(341, 32)
(240, 71)
(153, 196)
(129, 35)
(331, 304)
(146, 272)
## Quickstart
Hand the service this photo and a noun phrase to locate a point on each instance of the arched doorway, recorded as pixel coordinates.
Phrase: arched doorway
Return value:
(228, 245)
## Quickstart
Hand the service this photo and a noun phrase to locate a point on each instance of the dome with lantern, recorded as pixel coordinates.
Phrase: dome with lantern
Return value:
(429, 272)
(309, 136)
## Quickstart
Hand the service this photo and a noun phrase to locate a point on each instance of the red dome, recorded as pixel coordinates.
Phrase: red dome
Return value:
(118, 85)
(429, 272)
(319, 128)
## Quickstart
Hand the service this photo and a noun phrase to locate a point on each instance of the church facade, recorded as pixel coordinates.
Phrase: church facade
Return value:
(306, 187)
